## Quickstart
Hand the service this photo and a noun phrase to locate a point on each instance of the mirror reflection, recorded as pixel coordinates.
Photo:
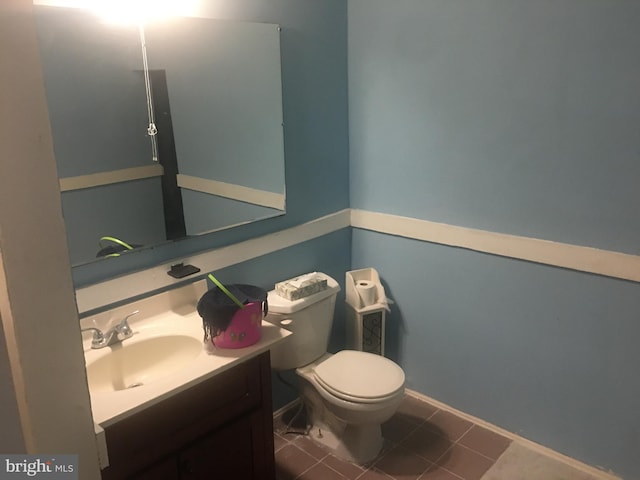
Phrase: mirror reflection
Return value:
(216, 95)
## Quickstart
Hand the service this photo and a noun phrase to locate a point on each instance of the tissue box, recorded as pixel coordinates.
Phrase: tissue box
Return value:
(300, 287)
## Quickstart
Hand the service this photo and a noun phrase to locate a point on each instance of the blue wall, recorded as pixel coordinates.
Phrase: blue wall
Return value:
(518, 117)
(314, 82)
(543, 352)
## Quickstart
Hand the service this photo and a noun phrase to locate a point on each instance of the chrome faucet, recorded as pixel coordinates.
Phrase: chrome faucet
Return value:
(114, 335)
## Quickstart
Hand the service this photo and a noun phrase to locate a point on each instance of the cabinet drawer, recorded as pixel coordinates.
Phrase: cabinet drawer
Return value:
(145, 437)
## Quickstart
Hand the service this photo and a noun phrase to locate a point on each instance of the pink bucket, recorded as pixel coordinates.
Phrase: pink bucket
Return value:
(244, 329)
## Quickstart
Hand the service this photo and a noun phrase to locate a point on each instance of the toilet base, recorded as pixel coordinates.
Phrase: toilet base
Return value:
(351, 431)
(359, 444)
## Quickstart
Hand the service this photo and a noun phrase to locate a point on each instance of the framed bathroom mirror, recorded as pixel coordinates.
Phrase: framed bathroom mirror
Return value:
(216, 95)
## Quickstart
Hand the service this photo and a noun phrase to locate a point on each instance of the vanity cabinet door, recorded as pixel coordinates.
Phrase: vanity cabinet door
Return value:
(164, 470)
(220, 428)
(228, 453)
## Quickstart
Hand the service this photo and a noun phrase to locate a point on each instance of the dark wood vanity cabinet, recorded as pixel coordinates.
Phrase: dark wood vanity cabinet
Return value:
(220, 428)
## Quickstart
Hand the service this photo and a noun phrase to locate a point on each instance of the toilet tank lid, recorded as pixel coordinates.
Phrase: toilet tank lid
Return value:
(278, 304)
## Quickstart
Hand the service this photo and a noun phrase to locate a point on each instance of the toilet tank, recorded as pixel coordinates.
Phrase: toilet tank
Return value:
(309, 319)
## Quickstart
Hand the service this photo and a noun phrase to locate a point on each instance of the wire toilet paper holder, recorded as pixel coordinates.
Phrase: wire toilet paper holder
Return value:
(367, 305)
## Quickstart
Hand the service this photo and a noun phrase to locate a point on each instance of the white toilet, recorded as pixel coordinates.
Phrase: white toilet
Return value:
(348, 394)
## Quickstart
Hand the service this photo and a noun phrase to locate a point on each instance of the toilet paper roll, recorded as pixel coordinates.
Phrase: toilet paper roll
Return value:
(367, 291)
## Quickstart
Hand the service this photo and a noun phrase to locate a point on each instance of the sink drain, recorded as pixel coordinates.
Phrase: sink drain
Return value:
(134, 385)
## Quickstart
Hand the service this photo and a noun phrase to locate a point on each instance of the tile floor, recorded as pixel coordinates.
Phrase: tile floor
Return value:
(421, 442)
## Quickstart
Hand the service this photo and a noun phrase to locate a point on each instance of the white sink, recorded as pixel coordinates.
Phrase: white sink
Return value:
(134, 363)
(165, 355)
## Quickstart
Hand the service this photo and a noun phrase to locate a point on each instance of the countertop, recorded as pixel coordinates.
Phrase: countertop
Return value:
(171, 313)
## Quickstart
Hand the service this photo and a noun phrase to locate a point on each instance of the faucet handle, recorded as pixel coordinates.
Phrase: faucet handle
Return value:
(98, 337)
(123, 328)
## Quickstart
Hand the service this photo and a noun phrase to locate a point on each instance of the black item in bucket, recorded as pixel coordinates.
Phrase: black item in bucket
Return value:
(217, 309)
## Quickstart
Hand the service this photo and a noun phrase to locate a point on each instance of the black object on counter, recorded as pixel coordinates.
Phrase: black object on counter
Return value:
(217, 309)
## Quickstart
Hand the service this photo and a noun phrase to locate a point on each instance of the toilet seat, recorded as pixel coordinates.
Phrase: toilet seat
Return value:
(360, 377)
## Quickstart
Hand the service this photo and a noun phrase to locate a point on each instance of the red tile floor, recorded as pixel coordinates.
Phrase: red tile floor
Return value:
(421, 442)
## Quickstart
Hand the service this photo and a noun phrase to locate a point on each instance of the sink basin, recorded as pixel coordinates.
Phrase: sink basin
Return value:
(133, 364)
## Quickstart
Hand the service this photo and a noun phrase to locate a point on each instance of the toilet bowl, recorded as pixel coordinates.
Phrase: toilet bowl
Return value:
(348, 394)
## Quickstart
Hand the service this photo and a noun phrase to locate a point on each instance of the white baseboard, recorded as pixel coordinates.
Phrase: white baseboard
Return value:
(287, 407)
(572, 462)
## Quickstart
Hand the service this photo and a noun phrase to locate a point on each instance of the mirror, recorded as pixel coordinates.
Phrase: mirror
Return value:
(216, 95)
